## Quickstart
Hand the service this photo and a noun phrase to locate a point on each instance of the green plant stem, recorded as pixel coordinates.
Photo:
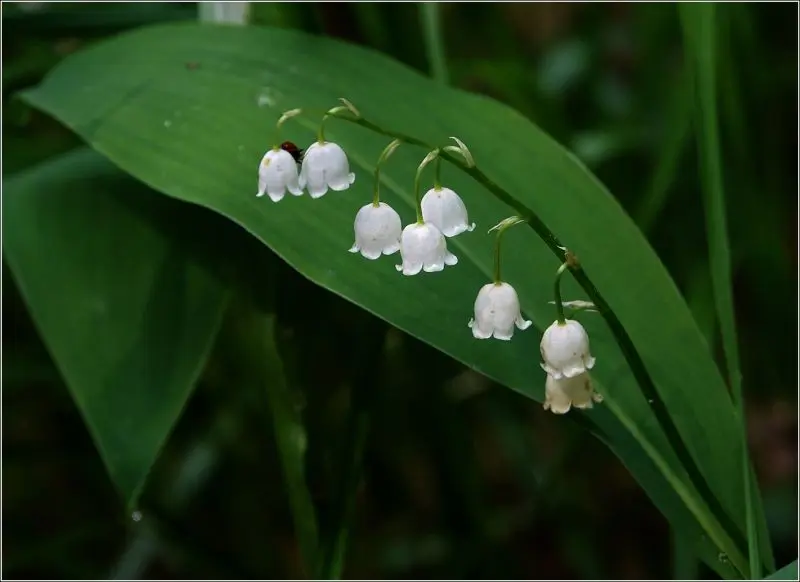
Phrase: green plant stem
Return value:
(699, 27)
(624, 342)
(498, 242)
(557, 290)
(334, 554)
(497, 246)
(435, 154)
(387, 151)
(332, 112)
(437, 173)
(434, 41)
(321, 131)
(364, 399)
(260, 358)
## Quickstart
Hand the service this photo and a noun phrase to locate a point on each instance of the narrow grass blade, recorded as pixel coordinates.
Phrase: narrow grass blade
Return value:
(363, 402)
(698, 22)
(434, 43)
(255, 332)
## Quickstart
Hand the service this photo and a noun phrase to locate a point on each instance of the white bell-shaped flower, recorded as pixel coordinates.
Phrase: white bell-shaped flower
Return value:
(277, 173)
(444, 208)
(564, 393)
(423, 247)
(325, 166)
(496, 312)
(377, 230)
(565, 350)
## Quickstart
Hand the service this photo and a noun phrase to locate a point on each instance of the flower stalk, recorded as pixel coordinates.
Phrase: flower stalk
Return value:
(433, 155)
(437, 173)
(501, 227)
(387, 151)
(557, 289)
(285, 116)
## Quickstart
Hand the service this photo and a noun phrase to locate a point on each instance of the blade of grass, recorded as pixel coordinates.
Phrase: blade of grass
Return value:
(372, 25)
(434, 43)
(668, 165)
(698, 21)
(290, 437)
(363, 402)
(259, 361)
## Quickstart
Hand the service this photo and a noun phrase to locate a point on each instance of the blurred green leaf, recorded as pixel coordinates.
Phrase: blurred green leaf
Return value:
(127, 315)
(788, 572)
(64, 17)
(198, 133)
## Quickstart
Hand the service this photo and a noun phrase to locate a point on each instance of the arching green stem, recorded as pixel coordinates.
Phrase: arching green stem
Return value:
(287, 115)
(437, 173)
(501, 228)
(387, 151)
(333, 112)
(434, 155)
(557, 288)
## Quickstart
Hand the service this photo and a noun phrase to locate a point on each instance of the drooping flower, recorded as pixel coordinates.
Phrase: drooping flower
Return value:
(565, 350)
(444, 208)
(562, 394)
(377, 231)
(277, 173)
(424, 248)
(496, 312)
(325, 166)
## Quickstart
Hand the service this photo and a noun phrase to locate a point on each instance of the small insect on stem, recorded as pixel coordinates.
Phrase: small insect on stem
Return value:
(295, 151)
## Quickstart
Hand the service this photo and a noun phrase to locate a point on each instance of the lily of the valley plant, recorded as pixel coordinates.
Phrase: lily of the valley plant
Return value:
(440, 214)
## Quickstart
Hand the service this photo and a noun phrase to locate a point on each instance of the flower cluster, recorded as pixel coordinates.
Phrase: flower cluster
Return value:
(441, 214)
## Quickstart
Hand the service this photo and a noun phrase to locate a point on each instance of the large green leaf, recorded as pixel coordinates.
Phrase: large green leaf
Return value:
(197, 133)
(127, 315)
(788, 572)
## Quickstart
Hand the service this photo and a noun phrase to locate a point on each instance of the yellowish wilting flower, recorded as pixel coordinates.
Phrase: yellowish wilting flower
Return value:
(496, 312)
(562, 394)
